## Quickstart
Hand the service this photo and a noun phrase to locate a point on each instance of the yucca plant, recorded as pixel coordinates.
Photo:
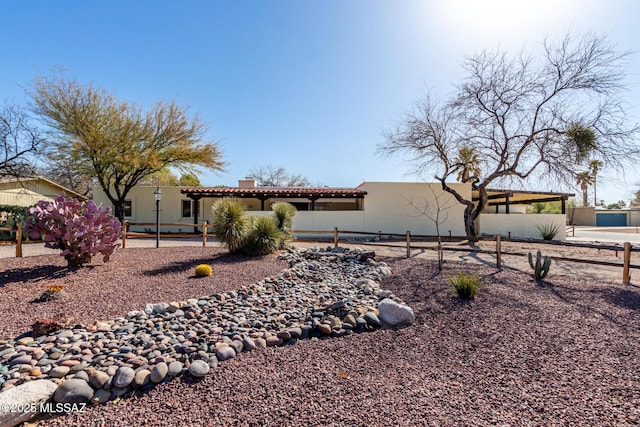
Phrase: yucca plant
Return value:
(263, 236)
(230, 225)
(283, 214)
(548, 231)
(466, 285)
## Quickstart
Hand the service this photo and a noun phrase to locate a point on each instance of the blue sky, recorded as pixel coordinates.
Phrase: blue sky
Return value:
(309, 85)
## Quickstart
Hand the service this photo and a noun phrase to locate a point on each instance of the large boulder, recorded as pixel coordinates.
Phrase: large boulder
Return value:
(24, 396)
(392, 313)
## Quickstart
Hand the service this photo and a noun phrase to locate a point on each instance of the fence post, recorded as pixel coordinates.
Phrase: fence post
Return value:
(408, 244)
(125, 225)
(498, 250)
(335, 237)
(19, 240)
(204, 234)
(626, 276)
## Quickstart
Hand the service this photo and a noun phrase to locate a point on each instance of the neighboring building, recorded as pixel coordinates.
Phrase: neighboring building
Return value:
(387, 207)
(30, 190)
(598, 217)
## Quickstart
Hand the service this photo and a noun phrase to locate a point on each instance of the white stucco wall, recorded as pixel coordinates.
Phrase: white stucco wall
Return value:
(522, 226)
(395, 207)
(634, 218)
(144, 207)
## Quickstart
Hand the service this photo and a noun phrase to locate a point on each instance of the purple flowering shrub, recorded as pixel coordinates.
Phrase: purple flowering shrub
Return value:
(80, 229)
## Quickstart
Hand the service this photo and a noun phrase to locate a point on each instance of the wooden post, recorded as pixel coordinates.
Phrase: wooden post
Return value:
(204, 234)
(573, 230)
(335, 237)
(19, 240)
(125, 225)
(498, 250)
(626, 276)
(408, 244)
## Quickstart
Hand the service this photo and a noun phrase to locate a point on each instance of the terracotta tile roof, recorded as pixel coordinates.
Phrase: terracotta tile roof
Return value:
(274, 192)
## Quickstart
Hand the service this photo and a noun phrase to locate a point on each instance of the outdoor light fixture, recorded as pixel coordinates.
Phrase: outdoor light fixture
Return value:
(157, 195)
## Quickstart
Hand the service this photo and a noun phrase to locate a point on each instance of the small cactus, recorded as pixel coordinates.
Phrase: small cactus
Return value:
(541, 266)
(204, 270)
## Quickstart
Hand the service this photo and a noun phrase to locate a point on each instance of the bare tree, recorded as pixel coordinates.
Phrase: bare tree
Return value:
(526, 117)
(277, 176)
(61, 168)
(20, 141)
(437, 211)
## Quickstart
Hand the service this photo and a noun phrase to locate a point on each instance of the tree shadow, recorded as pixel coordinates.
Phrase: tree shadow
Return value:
(186, 265)
(35, 274)
(624, 298)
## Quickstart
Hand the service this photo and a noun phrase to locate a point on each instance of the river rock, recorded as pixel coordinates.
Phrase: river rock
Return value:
(73, 391)
(59, 371)
(199, 368)
(159, 372)
(175, 368)
(98, 378)
(225, 353)
(372, 319)
(123, 377)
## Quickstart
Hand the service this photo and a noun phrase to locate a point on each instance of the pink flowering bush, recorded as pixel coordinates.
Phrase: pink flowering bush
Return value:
(80, 229)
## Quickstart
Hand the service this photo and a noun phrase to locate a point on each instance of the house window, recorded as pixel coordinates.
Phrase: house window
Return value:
(128, 208)
(187, 208)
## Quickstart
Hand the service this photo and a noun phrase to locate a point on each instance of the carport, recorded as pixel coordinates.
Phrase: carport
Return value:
(507, 198)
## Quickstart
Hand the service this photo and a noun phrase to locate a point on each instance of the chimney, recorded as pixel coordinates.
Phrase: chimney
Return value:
(248, 182)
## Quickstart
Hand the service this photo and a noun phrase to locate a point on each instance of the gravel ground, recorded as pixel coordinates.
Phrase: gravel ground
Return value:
(563, 352)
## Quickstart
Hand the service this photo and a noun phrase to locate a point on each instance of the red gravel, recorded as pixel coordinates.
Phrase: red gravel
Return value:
(565, 352)
(133, 278)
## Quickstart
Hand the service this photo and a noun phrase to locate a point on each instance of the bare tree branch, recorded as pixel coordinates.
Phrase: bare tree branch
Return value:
(516, 114)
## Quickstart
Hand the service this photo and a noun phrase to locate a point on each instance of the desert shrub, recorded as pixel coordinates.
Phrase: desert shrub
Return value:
(230, 223)
(548, 231)
(466, 285)
(263, 236)
(204, 270)
(541, 266)
(80, 229)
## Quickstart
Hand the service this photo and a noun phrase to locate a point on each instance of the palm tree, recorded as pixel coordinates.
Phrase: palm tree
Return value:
(584, 179)
(594, 167)
(469, 162)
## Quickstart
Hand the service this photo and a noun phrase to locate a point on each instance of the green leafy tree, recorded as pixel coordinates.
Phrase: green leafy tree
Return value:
(189, 180)
(527, 117)
(116, 142)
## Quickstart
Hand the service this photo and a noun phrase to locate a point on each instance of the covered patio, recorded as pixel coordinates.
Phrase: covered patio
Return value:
(507, 198)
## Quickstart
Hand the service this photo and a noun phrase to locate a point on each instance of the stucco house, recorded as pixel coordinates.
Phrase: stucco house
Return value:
(387, 207)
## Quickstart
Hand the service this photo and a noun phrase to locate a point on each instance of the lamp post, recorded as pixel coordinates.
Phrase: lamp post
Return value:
(157, 195)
